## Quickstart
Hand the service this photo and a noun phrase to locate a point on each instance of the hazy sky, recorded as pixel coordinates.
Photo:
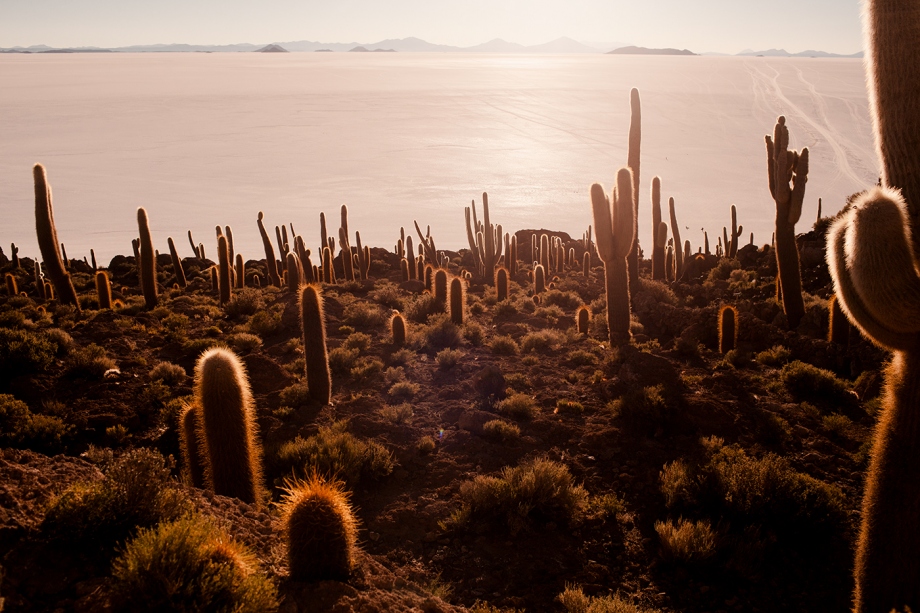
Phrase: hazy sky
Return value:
(708, 25)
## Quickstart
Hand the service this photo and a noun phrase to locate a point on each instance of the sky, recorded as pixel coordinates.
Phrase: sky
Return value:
(724, 26)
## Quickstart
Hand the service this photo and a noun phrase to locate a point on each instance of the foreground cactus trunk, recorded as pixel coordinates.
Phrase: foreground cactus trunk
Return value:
(615, 234)
(872, 255)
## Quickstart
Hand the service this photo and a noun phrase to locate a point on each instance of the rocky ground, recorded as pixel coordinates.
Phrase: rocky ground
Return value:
(764, 456)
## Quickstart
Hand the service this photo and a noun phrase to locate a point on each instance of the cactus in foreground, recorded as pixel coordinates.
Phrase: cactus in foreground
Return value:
(313, 327)
(457, 300)
(190, 444)
(48, 241)
(103, 290)
(728, 328)
(177, 264)
(582, 319)
(320, 529)
(231, 445)
(148, 263)
(270, 264)
(615, 230)
(784, 166)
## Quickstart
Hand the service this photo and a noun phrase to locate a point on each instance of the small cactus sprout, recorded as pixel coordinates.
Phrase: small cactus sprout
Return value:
(457, 300)
(148, 264)
(190, 443)
(320, 529)
(11, 288)
(501, 283)
(231, 444)
(48, 240)
(103, 290)
(440, 287)
(398, 329)
(539, 280)
(177, 263)
(728, 328)
(313, 326)
(582, 319)
(225, 274)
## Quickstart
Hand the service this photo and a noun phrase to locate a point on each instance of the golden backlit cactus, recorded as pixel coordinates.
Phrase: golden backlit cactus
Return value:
(440, 288)
(398, 329)
(615, 229)
(728, 328)
(103, 290)
(838, 329)
(270, 263)
(319, 528)
(539, 280)
(12, 288)
(48, 240)
(190, 437)
(240, 270)
(313, 328)
(225, 274)
(228, 423)
(457, 300)
(293, 272)
(501, 283)
(177, 264)
(784, 166)
(148, 262)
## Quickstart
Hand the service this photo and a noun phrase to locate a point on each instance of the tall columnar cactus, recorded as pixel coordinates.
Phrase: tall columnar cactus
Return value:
(501, 284)
(190, 436)
(615, 229)
(398, 329)
(148, 264)
(92, 255)
(784, 166)
(313, 327)
(320, 530)
(736, 232)
(229, 234)
(224, 269)
(440, 288)
(103, 290)
(177, 264)
(513, 257)
(270, 264)
(191, 241)
(583, 319)
(328, 269)
(632, 157)
(228, 423)
(539, 280)
(675, 232)
(240, 271)
(657, 245)
(48, 240)
(457, 300)
(728, 328)
(293, 272)
(12, 288)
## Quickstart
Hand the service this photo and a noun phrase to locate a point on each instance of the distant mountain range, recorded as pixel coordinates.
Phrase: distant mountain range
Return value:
(412, 45)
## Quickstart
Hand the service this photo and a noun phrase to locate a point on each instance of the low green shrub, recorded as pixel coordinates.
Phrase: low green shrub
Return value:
(687, 541)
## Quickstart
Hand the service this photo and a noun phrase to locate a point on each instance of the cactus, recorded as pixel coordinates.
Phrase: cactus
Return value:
(632, 157)
(735, 235)
(345, 246)
(148, 263)
(728, 328)
(92, 255)
(190, 444)
(501, 283)
(364, 258)
(586, 265)
(398, 329)
(269, 254)
(675, 232)
(177, 264)
(583, 319)
(320, 529)
(669, 262)
(48, 241)
(440, 288)
(240, 271)
(313, 327)
(457, 300)
(225, 274)
(215, 280)
(328, 270)
(229, 234)
(513, 257)
(657, 241)
(228, 423)
(293, 272)
(784, 166)
(12, 288)
(14, 256)
(838, 329)
(539, 280)
(103, 290)
(405, 269)
(615, 229)
(705, 243)
(191, 241)
(427, 246)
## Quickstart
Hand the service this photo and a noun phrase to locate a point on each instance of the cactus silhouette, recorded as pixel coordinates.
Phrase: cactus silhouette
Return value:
(225, 274)
(103, 290)
(632, 157)
(501, 284)
(240, 272)
(737, 230)
(270, 264)
(615, 230)
(148, 263)
(440, 288)
(539, 280)
(231, 445)
(11, 287)
(293, 272)
(675, 232)
(320, 529)
(784, 166)
(457, 300)
(177, 263)
(658, 243)
(14, 256)
(313, 327)
(728, 328)
(48, 241)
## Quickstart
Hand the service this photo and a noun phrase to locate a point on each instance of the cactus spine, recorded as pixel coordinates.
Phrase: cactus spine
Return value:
(784, 166)
(148, 263)
(269, 254)
(177, 264)
(234, 466)
(728, 328)
(313, 327)
(615, 229)
(48, 240)
(457, 298)
(320, 530)
(103, 290)
(582, 319)
(190, 434)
